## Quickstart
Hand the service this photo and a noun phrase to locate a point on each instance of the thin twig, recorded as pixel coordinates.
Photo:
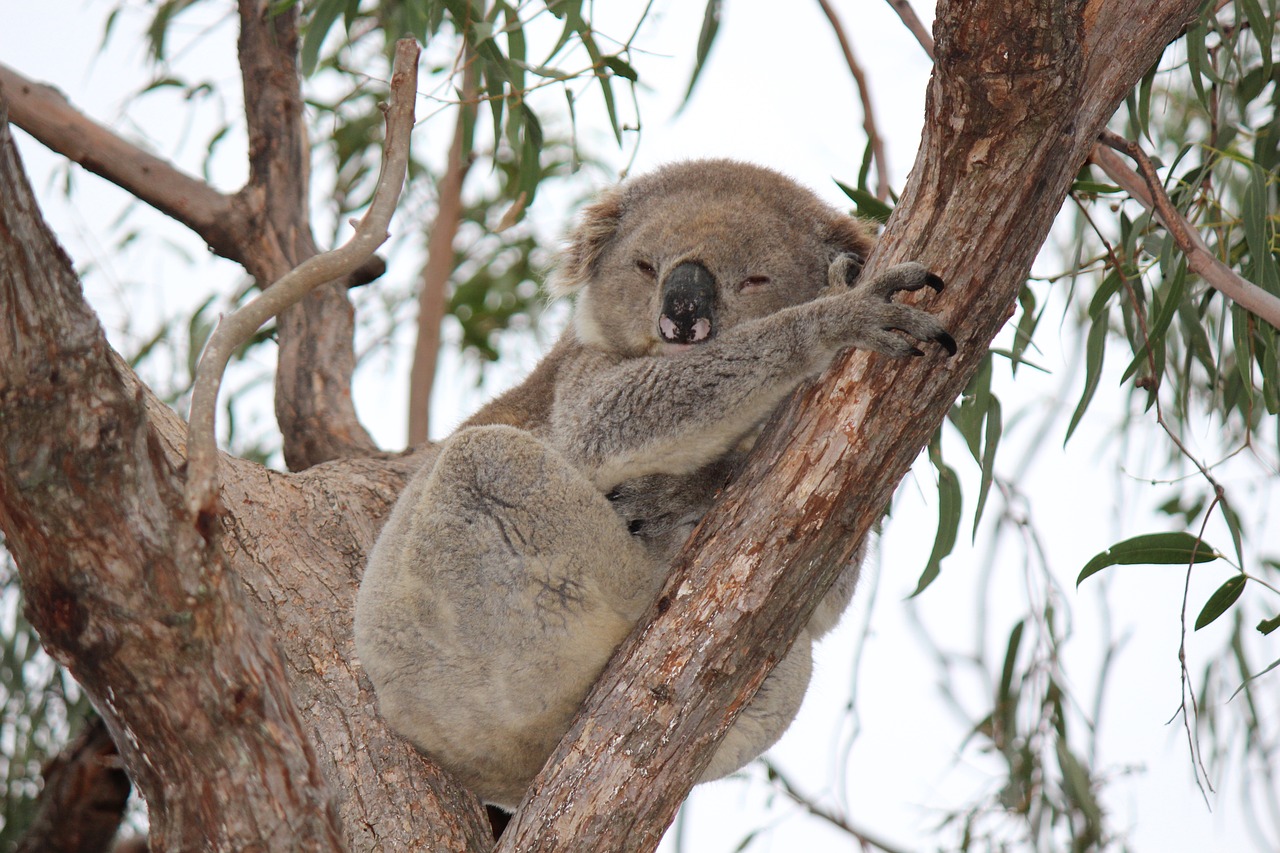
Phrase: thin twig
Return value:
(838, 821)
(234, 330)
(918, 29)
(439, 265)
(1148, 191)
(864, 94)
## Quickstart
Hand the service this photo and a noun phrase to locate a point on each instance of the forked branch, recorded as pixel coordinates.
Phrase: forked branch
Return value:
(232, 331)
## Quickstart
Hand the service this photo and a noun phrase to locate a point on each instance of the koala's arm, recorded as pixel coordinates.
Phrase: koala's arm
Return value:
(622, 418)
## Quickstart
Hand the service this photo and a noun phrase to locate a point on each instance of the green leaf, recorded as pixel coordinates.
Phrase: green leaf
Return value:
(706, 37)
(1152, 549)
(1263, 29)
(867, 204)
(1266, 626)
(1254, 677)
(1221, 600)
(1095, 349)
(995, 428)
(1094, 188)
(949, 506)
(619, 66)
(1258, 233)
(323, 15)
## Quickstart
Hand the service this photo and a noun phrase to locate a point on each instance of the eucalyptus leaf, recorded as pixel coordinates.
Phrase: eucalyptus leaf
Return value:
(1170, 549)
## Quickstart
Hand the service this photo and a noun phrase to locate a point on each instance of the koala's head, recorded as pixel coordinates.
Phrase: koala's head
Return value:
(671, 259)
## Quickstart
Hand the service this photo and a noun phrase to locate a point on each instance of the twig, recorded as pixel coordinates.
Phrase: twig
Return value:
(864, 93)
(1148, 191)
(918, 29)
(234, 330)
(838, 821)
(439, 266)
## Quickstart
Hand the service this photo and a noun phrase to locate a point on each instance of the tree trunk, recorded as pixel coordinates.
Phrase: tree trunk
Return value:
(1018, 96)
(222, 660)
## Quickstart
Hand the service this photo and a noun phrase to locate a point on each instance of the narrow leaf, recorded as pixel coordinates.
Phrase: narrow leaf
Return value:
(706, 37)
(1221, 600)
(1254, 677)
(868, 205)
(1266, 626)
(949, 506)
(1152, 549)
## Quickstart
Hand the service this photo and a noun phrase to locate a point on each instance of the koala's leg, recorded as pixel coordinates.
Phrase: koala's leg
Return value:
(763, 721)
(494, 596)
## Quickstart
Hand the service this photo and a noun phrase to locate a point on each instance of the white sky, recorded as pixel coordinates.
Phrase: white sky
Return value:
(775, 92)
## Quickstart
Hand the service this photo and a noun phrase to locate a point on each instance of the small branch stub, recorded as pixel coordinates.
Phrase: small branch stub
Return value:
(233, 330)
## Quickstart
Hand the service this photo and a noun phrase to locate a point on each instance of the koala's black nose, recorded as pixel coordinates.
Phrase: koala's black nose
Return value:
(688, 305)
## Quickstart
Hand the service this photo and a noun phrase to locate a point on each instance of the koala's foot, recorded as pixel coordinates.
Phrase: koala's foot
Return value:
(872, 318)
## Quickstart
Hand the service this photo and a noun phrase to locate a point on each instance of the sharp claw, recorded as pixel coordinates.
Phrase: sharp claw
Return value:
(934, 281)
(948, 343)
(915, 353)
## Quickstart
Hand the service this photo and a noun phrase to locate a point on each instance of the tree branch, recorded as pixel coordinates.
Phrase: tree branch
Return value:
(1148, 191)
(143, 611)
(45, 113)
(313, 383)
(439, 266)
(83, 799)
(918, 29)
(1010, 118)
(237, 328)
(864, 94)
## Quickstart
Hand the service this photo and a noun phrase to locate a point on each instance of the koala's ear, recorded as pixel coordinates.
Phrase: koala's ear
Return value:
(575, 264)
(848, 235)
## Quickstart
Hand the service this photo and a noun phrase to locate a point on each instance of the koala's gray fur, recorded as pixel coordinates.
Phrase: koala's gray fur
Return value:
(525, 551)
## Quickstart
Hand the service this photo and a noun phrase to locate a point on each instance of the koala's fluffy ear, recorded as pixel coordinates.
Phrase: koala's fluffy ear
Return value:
(576, 262)
(848, 235)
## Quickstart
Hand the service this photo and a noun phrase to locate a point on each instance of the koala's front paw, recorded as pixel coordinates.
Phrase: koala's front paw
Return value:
(873, 318)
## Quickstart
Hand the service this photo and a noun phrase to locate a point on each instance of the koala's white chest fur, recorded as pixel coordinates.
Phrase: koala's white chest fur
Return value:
(527, 547)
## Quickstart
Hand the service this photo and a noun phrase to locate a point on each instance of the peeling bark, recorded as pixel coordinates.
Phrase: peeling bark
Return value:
(144, 611)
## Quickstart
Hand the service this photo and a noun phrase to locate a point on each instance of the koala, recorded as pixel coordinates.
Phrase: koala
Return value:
(523, 552)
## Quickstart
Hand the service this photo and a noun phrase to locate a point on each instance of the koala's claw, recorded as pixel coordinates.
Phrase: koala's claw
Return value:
(934, 281)
(948, 343)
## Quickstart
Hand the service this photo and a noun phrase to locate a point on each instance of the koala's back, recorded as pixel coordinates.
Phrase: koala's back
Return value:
(528, 547)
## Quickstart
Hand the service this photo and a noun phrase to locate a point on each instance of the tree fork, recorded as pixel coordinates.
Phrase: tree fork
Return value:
(1017, 98)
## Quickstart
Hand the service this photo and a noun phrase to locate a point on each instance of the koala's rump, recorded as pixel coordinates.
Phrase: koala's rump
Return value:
(485, 615)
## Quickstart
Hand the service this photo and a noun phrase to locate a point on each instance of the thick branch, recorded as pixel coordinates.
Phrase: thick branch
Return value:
(313, 383)
(1148, 191)
(234, 330)
(144, 612)
(83, 798)
(1009, 121)
(45, 113)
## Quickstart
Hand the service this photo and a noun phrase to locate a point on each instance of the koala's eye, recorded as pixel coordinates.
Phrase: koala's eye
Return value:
(647, 268)
(753, 282)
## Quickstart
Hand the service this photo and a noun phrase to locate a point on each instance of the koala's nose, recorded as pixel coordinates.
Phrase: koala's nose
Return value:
(688, 304)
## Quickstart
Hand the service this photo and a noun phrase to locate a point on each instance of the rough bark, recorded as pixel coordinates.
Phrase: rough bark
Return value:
(144, 611)
(313, 382)
(216, 713)
(1019, 94)
(82, 801)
